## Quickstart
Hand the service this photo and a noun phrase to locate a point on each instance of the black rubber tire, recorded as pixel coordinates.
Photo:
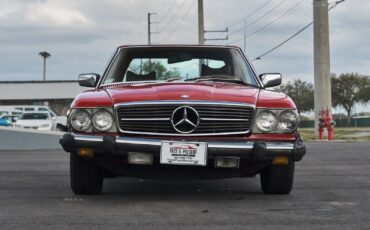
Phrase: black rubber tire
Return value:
(277, 179)
(60, 128)
(86, 177)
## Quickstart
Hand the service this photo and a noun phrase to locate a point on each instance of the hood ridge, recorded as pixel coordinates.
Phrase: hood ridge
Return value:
(175, 91)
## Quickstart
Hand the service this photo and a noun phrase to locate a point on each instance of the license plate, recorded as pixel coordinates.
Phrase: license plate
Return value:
(184, 153)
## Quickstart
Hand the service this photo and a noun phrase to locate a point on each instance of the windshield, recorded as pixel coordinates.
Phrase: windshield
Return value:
(179, 64)
(2, 113)
(50, 110)
(34, 116)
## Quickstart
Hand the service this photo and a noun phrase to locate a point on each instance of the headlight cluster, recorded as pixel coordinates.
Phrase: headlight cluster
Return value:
(266, 121)
(102, 120)
(277, 121)
(288, 121)
(83, 119)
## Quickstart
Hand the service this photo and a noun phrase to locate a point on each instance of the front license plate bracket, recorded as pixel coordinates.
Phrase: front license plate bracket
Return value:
(183, 153)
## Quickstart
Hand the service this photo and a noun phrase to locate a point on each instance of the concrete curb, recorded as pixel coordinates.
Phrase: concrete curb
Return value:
(334, 141)
(25, 139)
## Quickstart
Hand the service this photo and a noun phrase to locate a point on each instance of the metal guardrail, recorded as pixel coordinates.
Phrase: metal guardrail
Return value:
(355, 122)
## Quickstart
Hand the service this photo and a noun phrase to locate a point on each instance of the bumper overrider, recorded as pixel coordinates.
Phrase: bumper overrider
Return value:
(119, 145)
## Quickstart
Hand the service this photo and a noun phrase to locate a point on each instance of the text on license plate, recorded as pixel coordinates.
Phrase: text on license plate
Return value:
(184, 153)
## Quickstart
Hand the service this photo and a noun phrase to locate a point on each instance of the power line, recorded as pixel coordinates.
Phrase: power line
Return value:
(173, 16)
(268, 25)
(250, 15)
(286, 13)
(295, 34)
(285, 41)
(181, 20)
(161, 7)
(168, 10)
(259, 18)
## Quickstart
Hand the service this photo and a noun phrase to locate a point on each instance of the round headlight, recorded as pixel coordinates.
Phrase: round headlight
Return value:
(266, 121)
(288, 121)
(80, 120)
(102, 120)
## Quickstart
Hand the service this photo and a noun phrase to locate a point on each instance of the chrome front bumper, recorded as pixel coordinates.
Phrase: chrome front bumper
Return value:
(117, 145)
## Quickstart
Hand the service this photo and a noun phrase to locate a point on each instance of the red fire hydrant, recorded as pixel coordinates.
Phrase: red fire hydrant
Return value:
(328, 125)
(321, 127)
(326, 122)
(331, 130)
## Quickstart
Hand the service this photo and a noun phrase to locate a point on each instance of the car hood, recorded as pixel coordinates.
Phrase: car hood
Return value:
(184, 91)
(206, 91)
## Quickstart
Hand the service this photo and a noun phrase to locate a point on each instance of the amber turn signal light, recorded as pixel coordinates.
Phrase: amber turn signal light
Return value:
(85, 152)
(280, 160)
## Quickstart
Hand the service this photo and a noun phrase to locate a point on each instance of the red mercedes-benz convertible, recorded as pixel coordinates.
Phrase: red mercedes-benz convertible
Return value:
(185, 112)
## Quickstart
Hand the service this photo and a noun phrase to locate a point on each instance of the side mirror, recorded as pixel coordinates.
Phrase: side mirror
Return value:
(270, 79)
(88, 80)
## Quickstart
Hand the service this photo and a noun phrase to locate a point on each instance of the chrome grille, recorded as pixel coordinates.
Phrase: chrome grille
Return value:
(154, 118)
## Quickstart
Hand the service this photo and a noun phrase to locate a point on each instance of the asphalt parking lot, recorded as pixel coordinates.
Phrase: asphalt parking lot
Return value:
(332, 191)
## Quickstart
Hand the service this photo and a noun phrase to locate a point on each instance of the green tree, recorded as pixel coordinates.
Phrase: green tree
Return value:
(160, 70)
(302, 94)
(349, 89)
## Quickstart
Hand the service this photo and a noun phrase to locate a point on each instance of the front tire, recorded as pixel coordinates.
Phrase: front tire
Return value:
(86, 177)
(277, 179)
(60, 128)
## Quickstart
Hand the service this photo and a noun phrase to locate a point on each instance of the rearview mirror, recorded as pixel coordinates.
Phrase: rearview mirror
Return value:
(88, 80)
(179, 57)
(270, 79)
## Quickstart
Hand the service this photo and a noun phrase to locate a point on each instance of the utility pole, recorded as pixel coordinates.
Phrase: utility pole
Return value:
(321, 59)
(245, 35)
(149, 32)
(200, 22)
(150, 29)
(202, 31)
(217, 31)
(44, 55)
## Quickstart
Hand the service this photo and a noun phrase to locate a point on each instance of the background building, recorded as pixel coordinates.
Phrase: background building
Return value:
(56, 94)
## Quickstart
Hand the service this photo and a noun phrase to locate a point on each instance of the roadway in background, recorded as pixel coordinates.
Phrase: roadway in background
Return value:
(24, 139)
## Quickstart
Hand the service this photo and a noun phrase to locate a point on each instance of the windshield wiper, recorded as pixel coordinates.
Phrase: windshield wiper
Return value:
(219, 79)
(173, 79)
(200, 79)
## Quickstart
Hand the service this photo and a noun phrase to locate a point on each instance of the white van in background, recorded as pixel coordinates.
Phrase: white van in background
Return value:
(9, 110)
(60, 121)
